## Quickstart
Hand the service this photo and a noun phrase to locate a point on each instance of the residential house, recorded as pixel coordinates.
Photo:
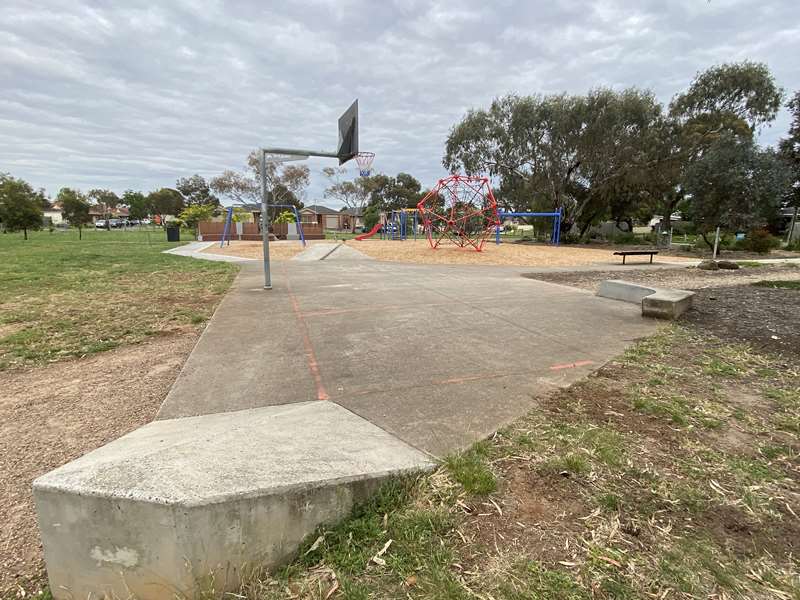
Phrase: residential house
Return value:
(52, 215)
(98, 211)
(317, 214)
(348, 215)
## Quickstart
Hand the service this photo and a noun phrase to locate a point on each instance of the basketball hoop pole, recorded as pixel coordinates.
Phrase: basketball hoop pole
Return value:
(265, 219)
(279, 155)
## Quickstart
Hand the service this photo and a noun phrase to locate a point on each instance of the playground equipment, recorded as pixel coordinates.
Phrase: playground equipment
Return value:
(555, 236)
(398, 223)
(460, 208)
(395, 225)
(370, 233)
(226, 232)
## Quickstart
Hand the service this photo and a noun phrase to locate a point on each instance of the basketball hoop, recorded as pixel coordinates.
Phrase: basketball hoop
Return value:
(364, 160)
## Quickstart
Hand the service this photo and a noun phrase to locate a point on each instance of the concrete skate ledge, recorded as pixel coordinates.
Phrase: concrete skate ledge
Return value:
(660, 303)
(165, 507)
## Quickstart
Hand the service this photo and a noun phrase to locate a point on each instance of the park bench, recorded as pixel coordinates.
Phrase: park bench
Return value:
(625, 253)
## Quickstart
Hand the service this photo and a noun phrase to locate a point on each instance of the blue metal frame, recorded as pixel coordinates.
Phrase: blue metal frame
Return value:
(226, 231)
(297, 220)
(555, 237)
(396, 226)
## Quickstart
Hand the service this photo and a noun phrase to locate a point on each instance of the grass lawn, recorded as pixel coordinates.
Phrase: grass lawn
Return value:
(341, 235)
(671, 473)
(61, 297)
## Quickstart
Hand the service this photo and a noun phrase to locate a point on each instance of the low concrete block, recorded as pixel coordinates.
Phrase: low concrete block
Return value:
(616, 289)
(316, 252)
(660, 303)
(183, 505)
(667, 304)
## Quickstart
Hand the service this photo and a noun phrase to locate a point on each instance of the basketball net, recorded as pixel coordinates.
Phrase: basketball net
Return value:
(364, 160)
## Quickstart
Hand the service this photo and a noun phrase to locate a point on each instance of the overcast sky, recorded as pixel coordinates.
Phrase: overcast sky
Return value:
(132, 95)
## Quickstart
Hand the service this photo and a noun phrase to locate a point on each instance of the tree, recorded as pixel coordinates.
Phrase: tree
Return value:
(74, 208)
(107, 201)
(241, 215)
(790, 152)
(285, 216)
(730, 96)
(286, 183)
(195, 190)
(735, 186)
(352, 194)
(138, 205)
(393, 193)
(372, 214)
(193, 215)
(165, 201)
(576, 153)
(20, 206)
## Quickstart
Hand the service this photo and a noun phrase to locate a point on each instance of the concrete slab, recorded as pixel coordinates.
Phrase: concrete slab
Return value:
(315, 252)
(195, 250)
(439, 355)
(158, 511)
(345, 252)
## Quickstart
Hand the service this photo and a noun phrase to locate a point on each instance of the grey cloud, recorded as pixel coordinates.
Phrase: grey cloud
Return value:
(130, 94)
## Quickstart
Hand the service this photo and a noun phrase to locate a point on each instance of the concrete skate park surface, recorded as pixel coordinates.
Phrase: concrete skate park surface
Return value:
(440, 356)
(298, 401)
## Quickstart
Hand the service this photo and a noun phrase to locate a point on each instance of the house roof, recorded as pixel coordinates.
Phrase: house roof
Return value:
(352, 212)
(319, 209)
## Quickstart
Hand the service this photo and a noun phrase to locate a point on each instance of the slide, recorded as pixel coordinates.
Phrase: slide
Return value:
(370, 233)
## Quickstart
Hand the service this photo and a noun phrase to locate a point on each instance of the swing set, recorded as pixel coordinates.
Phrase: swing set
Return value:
(226, 232)
(555, 234)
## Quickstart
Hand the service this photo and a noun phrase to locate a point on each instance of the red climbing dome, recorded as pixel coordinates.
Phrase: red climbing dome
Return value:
(461, 209)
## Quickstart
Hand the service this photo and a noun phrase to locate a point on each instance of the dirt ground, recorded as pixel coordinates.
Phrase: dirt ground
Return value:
(54, 414)
(727, 304)
(280, 250)
(418, 251)
(534, 255)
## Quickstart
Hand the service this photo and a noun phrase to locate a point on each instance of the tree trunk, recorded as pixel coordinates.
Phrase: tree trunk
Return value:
(80, 236)
(705, 239)
(24, 233)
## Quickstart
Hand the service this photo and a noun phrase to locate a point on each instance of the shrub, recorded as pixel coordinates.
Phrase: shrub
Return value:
(683, 228)
(570, 238)
(760, 241)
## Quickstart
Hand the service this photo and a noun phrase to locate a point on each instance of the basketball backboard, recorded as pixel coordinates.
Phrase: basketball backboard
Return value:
(348, 134)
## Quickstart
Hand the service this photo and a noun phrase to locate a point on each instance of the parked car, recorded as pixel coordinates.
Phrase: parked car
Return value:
(114, 223)
(100, 224)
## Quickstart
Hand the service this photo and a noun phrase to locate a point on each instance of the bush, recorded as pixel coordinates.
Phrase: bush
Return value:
(758, 240)
(628, 238)
(683, 228)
